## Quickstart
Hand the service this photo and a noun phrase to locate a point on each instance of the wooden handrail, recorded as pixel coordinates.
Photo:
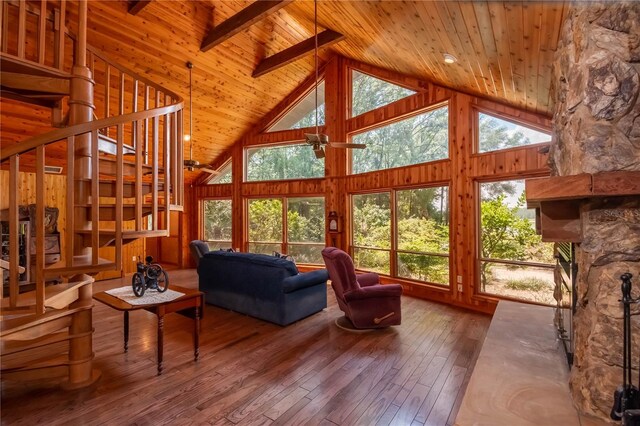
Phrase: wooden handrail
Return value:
(80, 129)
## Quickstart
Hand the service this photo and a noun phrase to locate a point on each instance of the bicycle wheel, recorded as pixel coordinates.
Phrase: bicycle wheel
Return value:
(162, 281)
(138, 284)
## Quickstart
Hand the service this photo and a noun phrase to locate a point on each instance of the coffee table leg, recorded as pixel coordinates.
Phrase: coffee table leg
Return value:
(196, 334)
(160, 342)
(126, 331)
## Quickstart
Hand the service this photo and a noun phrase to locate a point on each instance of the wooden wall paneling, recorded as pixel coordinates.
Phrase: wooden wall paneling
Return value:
(409, 82)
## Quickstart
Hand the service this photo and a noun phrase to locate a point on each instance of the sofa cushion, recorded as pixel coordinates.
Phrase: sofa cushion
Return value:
(256, 259)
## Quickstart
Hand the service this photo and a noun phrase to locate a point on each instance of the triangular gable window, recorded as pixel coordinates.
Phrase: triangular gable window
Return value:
(304, 113)
(369, 93)
(223, 177)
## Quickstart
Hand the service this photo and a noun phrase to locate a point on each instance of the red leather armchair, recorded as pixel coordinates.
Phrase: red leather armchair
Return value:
(364, 301)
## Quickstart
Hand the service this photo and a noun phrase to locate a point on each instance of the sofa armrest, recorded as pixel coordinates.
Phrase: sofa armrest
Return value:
(390, 290)
(308, 279)
(368, 279)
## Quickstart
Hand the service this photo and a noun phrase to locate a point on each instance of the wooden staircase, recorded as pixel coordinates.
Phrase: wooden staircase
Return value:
(101, 119)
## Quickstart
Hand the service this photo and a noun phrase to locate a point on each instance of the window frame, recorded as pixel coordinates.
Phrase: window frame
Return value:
(227, 163)
(477, 110)
(479, 258)
(284, 243)
(295, 103)
(201, 231)
(393, 250)
(245, 161)
(446, 103)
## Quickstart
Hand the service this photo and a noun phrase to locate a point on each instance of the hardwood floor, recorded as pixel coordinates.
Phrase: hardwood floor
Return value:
(255, 373)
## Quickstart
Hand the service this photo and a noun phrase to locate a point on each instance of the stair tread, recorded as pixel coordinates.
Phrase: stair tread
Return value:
(14, 325)
(80, 264)
(10, 63)
(28, 299)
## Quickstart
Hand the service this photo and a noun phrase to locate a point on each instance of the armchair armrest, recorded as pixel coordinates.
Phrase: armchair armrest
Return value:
(390, 290)
(307, 279)
(367, 279)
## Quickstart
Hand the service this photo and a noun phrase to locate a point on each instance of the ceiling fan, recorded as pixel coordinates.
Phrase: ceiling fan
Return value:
(192, 164)
(318, 141)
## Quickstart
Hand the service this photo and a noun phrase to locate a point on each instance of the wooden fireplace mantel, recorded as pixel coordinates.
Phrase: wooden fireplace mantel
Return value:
(557, 200)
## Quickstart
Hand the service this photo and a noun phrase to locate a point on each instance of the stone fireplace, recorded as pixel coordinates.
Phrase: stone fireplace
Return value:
(596, 142)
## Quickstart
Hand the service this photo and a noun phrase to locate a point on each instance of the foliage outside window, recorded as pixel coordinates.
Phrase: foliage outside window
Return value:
(369, 93)
(423, 234)
(304, 113)
(217, 223)
(418, 139)
(496, 133)
(421, 249)
(292, 161)
(304, 227)
(514, 262)
(224, 175)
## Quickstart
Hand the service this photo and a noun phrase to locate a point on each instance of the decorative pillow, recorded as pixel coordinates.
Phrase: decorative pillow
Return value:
(229, 250)
(284, 256)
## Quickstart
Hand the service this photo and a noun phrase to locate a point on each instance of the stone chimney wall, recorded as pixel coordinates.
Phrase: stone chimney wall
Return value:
(597, 129)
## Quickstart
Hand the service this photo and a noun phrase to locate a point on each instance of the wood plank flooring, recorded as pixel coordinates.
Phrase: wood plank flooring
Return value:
(252, 372)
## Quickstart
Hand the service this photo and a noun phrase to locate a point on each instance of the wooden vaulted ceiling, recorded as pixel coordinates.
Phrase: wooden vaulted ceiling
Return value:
(504, 49)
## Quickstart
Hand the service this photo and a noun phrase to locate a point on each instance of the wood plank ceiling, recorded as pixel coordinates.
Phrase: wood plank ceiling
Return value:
(504, 50)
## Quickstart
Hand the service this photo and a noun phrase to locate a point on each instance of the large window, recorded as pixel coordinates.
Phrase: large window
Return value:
(496, 133)
(217, 223)
(514, 262)
(369, 93)
(304, 113)
(292, 161)
(300, 232)
(403, 233)
(418, 139)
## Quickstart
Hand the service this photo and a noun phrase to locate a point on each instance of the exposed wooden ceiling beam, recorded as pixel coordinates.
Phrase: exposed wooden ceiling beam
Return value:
(241, 20)
(136, 6)
(280, 59)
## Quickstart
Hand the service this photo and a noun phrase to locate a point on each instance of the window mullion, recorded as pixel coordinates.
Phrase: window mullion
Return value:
(284, 247)
(394, 234)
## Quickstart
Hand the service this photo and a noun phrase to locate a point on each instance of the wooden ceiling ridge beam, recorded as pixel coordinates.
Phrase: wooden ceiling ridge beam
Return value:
(297, 51)
(136, 6)
(240, 21)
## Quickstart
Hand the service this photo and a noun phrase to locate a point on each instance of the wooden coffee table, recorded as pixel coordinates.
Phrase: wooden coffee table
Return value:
(190, 305)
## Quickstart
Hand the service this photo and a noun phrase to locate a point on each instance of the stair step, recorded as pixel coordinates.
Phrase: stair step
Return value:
(108, 236)
(108, 188)
(33, 326)
(108, 211)
(108, 167)
(55, 296)
(30, 82)
(80, 264)
(109, 145)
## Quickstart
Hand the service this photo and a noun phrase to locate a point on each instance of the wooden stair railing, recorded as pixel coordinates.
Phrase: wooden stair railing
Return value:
(103, 190)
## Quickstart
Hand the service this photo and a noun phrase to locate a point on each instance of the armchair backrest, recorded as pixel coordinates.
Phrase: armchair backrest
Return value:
(342, 273)
(198, 249)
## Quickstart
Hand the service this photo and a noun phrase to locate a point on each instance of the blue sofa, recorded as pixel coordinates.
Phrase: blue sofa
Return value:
(261, 286)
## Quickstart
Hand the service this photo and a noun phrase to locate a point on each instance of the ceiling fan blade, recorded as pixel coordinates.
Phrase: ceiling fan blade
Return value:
(319, 153)
(209, 170)
(347, 145)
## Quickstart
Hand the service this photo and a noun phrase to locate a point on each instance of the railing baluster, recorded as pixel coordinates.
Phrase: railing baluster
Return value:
(95, 197)
(107, 92)
(3, 26)
(167, 171)
(180, 150)
(69, 249)
(60, 34)
(154, 173)
(14, 229)
(137, 125)
(22, 27)
(119, 195)
(174, 156)
(42, 27)
(121, 99)
(40, 203)
(146, 124)
(134, 128)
